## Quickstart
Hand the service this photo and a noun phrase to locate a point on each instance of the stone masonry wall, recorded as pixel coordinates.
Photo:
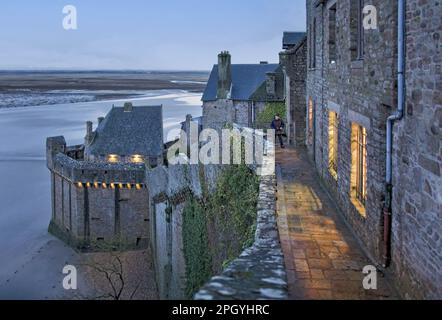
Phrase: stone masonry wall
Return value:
(217, 113)
(364, 92)
(359, 91)
(88, 211)
(417, 162)
(295, 68)
(259, 271)
(169, 189)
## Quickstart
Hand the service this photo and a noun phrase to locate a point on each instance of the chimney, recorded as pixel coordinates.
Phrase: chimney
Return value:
(128, 107)
(88, 138)
(100, 120)
(224, 75)
(271, 83)
(263, 62)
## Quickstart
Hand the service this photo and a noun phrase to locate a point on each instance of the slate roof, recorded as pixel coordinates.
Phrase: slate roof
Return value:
(246, 79)
(139, 131)
(291, 39)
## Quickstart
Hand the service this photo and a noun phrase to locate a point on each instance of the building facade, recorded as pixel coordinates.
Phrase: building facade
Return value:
(99, 193)
(352, 89)
(236, 93)
(294, 62)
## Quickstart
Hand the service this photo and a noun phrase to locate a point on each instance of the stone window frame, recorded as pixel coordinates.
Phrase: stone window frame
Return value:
(363, 121)
(357, 35)
(312, 35)
(332, 20)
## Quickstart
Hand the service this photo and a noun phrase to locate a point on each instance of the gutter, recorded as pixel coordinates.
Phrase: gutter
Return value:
(398, 115)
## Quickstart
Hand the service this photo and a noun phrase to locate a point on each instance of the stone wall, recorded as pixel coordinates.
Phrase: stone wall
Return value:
(216, 114)
(96, 205)
(359, 91)
(170, 188)
(259, 272)
(417, 162)
(294, 62)
(364, 92)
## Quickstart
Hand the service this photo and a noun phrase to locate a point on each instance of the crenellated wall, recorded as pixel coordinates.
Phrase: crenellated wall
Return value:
(97, 204)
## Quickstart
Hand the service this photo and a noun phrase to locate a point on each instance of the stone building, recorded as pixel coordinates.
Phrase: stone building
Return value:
(294, 62)
(99, 194)
(354, 84)
(236, 93)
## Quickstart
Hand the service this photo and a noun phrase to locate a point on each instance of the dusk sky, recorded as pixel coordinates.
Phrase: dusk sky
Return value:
(144, 34)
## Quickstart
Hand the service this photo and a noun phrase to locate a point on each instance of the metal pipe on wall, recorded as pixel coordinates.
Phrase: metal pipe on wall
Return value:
(398, 115)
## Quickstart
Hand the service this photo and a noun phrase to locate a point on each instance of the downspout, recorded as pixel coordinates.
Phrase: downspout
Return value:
(398, 115)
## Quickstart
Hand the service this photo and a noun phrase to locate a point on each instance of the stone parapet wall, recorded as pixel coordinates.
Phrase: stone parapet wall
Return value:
(259, 272)
(85, 171)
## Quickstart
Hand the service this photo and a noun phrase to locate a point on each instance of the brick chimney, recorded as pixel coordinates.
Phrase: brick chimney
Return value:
(224, 75)
(89, 133)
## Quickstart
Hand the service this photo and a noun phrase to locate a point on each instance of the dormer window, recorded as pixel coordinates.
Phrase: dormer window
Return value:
(113, 158)
(137, 158)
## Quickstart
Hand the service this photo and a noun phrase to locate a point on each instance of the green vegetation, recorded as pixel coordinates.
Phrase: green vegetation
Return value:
(218, 227)
(264, 118)
(196, 247)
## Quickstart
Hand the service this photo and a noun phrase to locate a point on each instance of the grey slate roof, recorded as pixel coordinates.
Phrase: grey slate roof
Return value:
(291, 39)
(246, 79)
(139, 131)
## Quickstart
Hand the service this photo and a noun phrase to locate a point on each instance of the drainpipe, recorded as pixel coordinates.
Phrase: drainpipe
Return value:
(398, 115)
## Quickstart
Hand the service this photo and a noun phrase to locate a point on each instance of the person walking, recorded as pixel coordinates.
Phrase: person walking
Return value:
(278, 125)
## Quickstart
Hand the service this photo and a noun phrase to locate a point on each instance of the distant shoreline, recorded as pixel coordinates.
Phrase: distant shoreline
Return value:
(192, 81)
(32, 88)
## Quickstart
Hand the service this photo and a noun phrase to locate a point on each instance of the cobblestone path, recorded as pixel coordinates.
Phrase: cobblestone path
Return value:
(323, 259)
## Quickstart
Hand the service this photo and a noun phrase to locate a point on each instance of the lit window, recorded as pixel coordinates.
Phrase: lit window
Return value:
(137, 158)
(310, 121)
(333, 144)
(113, 158)
(359, 166)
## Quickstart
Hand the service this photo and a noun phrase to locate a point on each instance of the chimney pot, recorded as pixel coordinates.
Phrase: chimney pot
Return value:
(128, 107)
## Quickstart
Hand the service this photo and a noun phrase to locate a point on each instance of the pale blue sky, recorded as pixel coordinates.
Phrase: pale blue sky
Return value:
(144, 34)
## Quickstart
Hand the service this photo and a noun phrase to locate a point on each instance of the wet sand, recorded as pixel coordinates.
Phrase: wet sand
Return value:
(103, 80)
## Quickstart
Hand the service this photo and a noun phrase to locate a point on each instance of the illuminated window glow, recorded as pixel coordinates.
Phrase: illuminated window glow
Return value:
(137, 158)
(310, 121)
(359, 166)
(333, 144)
(113, 158)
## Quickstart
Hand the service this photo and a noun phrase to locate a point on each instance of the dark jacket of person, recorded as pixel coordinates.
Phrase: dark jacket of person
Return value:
(278, 126)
